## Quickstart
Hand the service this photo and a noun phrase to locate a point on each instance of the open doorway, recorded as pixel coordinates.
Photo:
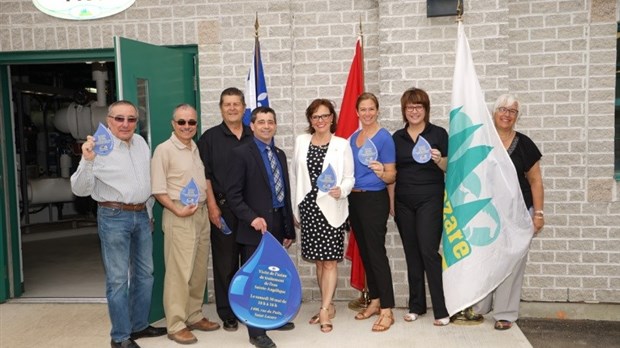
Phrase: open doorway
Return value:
(156, 85)
(55, 107)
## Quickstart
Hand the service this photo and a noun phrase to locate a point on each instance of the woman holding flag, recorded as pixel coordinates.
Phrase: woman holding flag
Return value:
(525, 155)
(417, 202)
(369, 207)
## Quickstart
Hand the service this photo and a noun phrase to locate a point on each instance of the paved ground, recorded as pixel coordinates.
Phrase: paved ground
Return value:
(558, 333)
(87, 325)
(51, 325)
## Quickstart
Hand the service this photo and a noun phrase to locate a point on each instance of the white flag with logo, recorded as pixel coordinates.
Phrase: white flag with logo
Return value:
(487, 228)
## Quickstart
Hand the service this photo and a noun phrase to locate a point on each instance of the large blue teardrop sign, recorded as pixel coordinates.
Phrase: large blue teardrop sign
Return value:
(266, 291)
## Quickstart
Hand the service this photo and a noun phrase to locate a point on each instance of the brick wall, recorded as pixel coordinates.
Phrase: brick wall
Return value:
(557, 56)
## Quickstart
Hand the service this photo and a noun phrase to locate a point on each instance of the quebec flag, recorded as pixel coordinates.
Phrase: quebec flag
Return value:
(255, 87)
(486, 226)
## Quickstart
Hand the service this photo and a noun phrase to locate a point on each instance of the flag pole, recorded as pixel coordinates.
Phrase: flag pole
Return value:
(362, 54)
(467, 316)
(255, 85)
(363, 301)
(256, 45)
(459, 11)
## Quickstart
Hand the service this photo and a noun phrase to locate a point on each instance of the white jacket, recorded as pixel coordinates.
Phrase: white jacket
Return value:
(340, 156)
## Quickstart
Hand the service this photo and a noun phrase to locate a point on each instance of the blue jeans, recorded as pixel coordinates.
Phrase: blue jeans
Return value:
(127, 252)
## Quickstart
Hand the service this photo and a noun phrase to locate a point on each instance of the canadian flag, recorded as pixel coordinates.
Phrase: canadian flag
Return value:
(348, 123)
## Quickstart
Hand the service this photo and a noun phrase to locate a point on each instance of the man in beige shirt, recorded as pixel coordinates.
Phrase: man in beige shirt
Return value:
(186, 228)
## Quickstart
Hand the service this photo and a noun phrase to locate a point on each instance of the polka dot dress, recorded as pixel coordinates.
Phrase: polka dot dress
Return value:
(319, 240)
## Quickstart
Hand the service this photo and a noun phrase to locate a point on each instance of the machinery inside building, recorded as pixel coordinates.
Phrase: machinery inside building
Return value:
(55, 107)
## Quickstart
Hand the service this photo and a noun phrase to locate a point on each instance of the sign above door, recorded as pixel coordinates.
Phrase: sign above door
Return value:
(82, 9)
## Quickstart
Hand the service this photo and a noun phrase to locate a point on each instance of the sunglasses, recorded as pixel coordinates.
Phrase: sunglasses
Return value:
(182, 122)
(121, 119)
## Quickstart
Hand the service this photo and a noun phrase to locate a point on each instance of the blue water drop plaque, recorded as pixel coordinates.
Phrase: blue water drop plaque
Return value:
(225, 229)
(103, 141)
(327, 180)
(266, 291)
(190, 193)
(368, 152)
(421, 151)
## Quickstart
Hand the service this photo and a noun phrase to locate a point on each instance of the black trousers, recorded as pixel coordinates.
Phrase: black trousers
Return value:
(277, 230)
(419, 218)
(226, 253)
(368, 213)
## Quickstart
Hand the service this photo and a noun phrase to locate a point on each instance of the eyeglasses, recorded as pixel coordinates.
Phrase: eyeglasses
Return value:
(121, 119)
(320, 117)
(411, 108)
(512, 112)
(182, 122)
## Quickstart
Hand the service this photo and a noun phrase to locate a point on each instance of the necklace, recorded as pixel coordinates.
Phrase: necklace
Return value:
(322, 141)
(369, 132)
(507, 139)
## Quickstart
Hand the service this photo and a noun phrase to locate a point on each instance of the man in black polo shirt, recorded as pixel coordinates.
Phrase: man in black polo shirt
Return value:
(215, 146)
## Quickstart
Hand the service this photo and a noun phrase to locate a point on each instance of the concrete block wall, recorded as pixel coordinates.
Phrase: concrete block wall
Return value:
(558, 56)
(561, 61)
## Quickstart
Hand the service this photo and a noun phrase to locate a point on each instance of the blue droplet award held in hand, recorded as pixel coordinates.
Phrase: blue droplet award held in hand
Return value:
(421, 151)
(266, 291)
(368, 152)
(225, 229)
(103, 141)
(327, 179)
(190, 193)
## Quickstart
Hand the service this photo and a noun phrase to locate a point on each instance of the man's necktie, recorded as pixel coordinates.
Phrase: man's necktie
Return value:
(277, 176)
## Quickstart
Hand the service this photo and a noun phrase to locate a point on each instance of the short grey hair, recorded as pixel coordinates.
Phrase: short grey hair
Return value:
(183, 106)
(504, 100)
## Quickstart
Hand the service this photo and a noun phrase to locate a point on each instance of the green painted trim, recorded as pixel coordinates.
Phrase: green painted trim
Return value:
(617, 110)
(68, 56)
(4, 269)
(194, 52)
(56, 56)
(9, 223)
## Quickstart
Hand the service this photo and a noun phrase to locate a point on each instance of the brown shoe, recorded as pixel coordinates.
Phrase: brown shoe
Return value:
(183, 337)
(204, 325)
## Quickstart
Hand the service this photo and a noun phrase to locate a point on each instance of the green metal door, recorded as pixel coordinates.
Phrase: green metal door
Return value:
(156, 79)
(10, 272)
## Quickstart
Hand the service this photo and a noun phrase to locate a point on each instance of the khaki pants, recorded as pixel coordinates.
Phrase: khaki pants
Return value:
(186, 256)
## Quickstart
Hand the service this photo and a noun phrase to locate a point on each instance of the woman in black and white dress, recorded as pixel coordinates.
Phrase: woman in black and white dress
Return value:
(322, 214)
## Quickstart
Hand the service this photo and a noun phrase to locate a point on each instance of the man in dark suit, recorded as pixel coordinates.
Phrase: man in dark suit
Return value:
(259, 195)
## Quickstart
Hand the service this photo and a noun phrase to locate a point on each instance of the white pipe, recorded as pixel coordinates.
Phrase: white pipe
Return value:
(65, 165)
(100, 78)
(49, 190)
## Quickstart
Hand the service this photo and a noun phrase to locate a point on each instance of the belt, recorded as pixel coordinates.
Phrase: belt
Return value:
(357, 190)
(123, 206)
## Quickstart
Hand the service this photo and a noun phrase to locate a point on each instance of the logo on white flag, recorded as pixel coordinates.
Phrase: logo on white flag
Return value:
(487, 228)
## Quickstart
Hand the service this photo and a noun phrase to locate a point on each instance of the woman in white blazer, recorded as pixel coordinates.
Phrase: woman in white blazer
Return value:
(320, 206)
